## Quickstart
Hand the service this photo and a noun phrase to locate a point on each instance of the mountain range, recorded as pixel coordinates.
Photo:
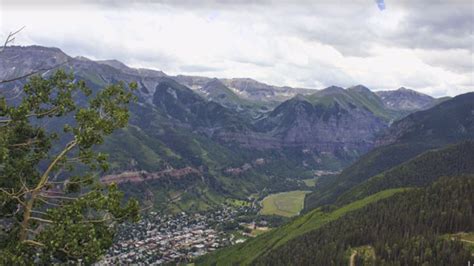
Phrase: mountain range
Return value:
(201, 138)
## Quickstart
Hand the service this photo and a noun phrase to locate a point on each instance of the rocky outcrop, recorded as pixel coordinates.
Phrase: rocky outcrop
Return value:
(141, 176)
(406, 100)
(258, 91)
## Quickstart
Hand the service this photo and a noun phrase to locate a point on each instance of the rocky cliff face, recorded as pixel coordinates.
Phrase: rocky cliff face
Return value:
(330, 127)
(252, 89)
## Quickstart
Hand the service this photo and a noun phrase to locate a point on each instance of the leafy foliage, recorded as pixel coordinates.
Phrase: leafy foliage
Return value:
(51, 209)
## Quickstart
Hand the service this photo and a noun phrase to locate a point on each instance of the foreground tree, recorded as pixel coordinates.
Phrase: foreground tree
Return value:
(52, 208)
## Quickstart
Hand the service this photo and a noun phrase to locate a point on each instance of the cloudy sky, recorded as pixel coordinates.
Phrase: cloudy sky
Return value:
(426, 45)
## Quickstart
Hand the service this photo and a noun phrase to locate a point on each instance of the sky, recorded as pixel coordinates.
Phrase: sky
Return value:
(425, 45)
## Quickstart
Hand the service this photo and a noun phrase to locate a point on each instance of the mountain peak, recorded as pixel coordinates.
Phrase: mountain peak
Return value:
(359, 88)
(331, 90)
(405, 99)
(114, 63)
(215, 83)
(299, 97)
(82, 58)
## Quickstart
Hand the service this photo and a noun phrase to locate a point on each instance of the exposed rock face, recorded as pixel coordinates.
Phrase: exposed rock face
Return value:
(18, 61)
(244, 88)
(252, 89)
(141, 176)
(333, 128)
(245, 167)
(406, 100)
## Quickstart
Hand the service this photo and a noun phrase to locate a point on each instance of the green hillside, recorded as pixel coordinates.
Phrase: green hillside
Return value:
(370, 164)
(357, 96)
(153, 143)
(405, 229)
(247, 252)
(418, 172)
(449, 122)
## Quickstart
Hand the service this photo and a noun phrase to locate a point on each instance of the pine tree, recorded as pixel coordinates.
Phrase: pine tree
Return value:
(52, 208)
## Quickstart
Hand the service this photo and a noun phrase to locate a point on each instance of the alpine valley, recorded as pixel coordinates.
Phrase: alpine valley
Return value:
(384, 177)
(192, 141)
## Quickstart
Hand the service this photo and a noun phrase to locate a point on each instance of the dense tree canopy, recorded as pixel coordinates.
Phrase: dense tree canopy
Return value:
(405, 229)
(52, 209)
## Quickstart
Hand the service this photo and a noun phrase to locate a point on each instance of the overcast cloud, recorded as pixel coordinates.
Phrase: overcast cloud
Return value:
(426, 45)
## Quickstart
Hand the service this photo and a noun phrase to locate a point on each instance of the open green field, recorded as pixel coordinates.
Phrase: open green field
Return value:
(311, 182)
(286, 204)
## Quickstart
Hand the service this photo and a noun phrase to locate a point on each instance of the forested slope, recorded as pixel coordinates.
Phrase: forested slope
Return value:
(247, 252)
(419, 171)
(404, 229)
(449, 122)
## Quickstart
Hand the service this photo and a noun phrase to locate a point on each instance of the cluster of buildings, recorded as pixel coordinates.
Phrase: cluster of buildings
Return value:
(160, 239)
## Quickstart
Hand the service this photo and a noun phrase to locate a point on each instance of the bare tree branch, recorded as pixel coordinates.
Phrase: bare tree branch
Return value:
(41, 220)
(10, 38)
(34, 243)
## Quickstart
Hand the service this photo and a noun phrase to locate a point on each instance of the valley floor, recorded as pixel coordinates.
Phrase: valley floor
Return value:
(286, 204)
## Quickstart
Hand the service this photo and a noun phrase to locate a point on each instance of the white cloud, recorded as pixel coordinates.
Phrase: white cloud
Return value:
(304, 45)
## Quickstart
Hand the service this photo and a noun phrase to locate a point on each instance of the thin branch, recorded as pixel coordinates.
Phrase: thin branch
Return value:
(16, 195)
(26, 189)
(39, 212)
(41, 220)
(29, 142)
(34, 243)
(49, 203)
(10, 38)
(45, 176)
(36, 191)
(50, 111)
(6, 192)
(57, 197)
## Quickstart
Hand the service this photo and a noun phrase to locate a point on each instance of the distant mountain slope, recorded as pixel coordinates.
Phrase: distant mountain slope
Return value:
(243, 95)
(420, 171)
(258, 91)
(446, 123)
(405, 229)
(181, 103)
(215, 90)
(405, 99)
(360, 96)
(328, 121)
